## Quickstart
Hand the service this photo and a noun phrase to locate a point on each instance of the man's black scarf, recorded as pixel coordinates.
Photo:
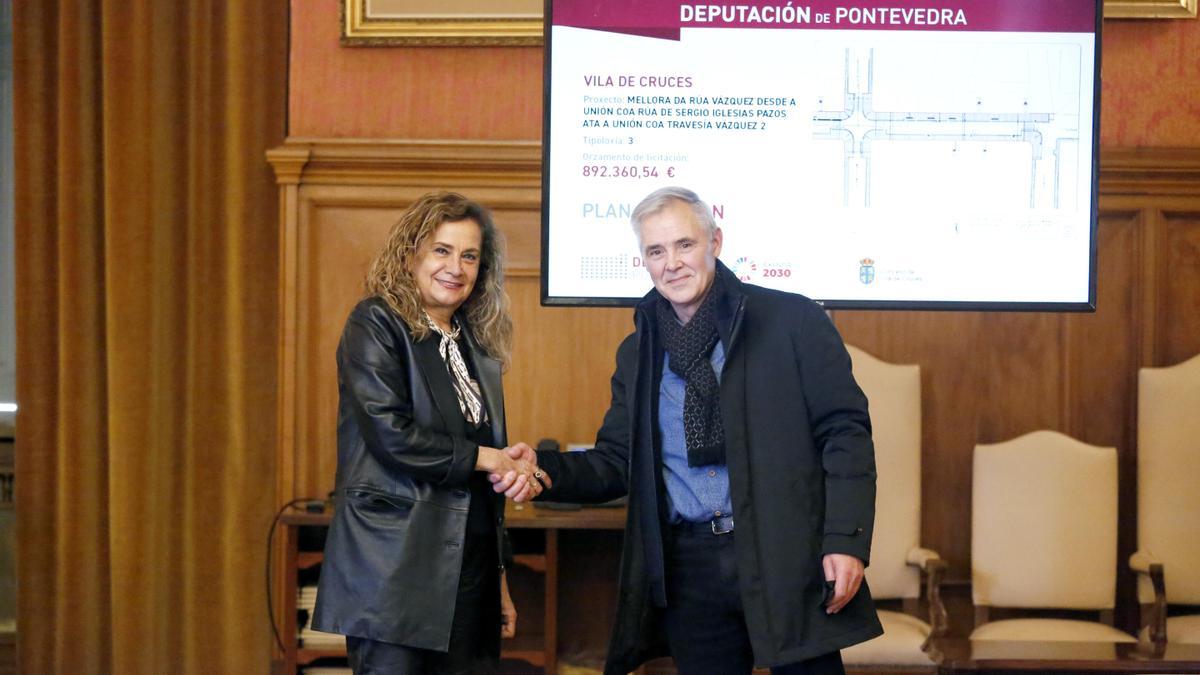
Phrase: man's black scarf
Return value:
(690, 346)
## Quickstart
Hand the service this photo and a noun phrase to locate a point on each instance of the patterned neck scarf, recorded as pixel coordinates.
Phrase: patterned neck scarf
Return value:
(690, 346)
(470, 400)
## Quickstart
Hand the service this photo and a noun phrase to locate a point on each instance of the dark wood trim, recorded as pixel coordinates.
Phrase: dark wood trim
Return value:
(396, 161)
(1149, 171)
(1123, 171)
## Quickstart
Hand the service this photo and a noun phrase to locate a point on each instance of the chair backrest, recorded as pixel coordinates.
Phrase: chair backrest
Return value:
(894, 396)
(1169, 477)
(1044, 523)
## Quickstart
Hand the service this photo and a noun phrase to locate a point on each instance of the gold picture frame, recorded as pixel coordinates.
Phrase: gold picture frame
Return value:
(442, 23)
(1149, 9)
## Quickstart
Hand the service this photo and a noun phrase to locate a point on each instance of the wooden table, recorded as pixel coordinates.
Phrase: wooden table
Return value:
(295, 560)
(518, 516)
(957, 655)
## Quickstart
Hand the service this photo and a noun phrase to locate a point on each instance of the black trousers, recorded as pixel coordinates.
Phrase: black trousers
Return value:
(705, 622)
(466, 656)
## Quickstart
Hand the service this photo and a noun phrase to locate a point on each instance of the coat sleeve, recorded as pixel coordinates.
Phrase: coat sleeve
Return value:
(374, 382)
(841, 428)
(602, 473)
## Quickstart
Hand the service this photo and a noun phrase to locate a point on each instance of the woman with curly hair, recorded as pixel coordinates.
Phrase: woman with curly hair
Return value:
(413, 572)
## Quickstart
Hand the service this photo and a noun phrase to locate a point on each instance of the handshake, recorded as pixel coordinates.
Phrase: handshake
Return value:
(513, 471)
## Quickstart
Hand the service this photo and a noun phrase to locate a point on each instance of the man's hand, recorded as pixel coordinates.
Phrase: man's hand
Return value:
(846, 572)
(524, 480)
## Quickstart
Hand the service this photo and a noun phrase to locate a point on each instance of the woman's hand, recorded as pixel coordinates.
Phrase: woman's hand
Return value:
(508, 611)
(512, 471)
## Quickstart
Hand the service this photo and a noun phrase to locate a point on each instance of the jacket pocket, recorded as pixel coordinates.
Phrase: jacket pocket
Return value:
(378, 506)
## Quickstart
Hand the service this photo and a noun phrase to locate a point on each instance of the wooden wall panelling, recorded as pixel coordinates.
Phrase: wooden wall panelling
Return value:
(1022, 374)
(1178, 312)
(946, 399)
(341, 228)
(563, 361)
(1104, 353)
(289, 163)
(1150, 282)
(1164, 187)
(985, 376)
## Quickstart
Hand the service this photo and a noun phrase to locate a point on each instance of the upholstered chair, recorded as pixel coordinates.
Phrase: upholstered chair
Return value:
(1044, 535)
(1168, 555)
(897, 560)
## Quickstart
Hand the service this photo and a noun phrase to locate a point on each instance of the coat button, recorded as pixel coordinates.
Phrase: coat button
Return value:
(858, 531)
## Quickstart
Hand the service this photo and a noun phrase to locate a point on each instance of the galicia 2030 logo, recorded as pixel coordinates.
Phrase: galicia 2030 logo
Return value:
(744, 268)
(866, 270)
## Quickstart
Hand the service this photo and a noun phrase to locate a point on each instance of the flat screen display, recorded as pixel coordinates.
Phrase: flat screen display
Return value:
(904, 155)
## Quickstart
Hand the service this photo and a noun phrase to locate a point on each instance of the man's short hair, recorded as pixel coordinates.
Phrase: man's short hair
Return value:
(659, 199)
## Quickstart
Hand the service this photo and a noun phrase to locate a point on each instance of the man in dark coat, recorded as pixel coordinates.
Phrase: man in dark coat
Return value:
(744, 444)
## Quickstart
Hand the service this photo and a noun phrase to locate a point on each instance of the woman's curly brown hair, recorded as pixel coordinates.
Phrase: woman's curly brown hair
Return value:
(487, 308)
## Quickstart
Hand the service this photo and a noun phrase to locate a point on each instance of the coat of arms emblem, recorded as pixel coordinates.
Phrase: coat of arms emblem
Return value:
(866, 270)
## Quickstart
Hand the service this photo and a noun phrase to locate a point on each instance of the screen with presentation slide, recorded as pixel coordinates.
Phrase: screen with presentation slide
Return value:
(936, 154)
